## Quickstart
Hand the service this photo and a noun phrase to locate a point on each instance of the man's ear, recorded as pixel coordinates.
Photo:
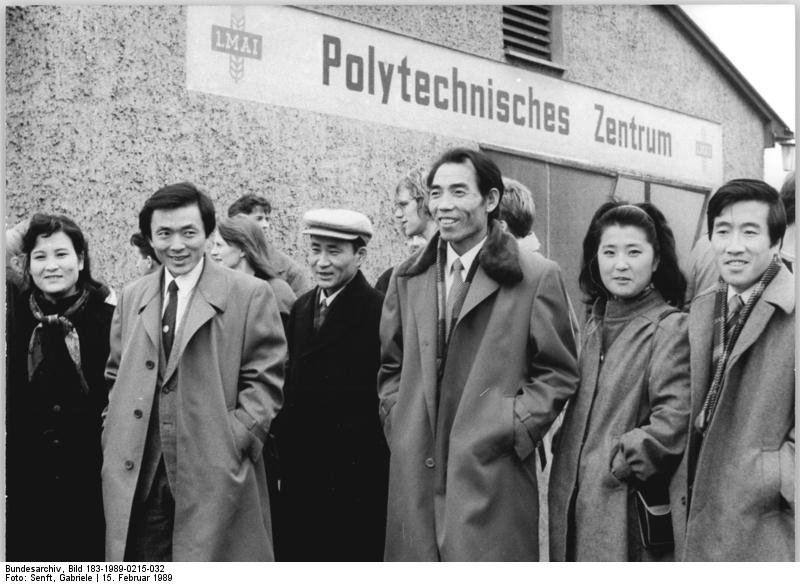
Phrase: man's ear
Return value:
(492, 200)
(361, 255)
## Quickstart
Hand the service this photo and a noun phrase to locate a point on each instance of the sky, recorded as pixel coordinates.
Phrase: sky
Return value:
(759, 39)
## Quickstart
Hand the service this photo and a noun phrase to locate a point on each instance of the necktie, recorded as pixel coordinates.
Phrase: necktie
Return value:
(734, 307)
(323, 312)
(455, 290)
(168, 320)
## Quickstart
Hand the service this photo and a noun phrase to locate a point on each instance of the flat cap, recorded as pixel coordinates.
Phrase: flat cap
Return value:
(338, 224)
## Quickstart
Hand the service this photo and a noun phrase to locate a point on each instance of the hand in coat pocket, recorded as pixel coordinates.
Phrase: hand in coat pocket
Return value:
(247, 444)
(620, 469)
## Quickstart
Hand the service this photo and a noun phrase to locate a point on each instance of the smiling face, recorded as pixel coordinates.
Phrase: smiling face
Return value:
(334, 262)
(626, 260)
(178, 238)
(54, 266)
(741, 243)
(457, 206)
(223, 252)
(407, 211)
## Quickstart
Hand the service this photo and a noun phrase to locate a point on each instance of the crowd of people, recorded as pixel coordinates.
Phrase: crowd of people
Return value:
(223, 407)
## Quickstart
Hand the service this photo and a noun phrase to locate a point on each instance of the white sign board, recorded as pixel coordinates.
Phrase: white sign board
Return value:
(296, 58)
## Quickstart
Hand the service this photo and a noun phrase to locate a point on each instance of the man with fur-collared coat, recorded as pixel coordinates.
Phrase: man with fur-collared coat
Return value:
(463, 411)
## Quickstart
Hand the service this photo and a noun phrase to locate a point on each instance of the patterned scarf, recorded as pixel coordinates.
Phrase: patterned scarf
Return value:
(442, 340)
(71, 340)
(725, 340)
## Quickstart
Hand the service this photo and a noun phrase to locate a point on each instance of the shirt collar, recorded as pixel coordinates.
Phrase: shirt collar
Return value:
(745, 295)
(466, 259)
(329, 299)
(187, 281)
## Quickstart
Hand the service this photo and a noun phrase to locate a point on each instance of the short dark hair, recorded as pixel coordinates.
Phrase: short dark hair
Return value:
(174, 197)
(787, 196)
(44, 224)
(145, 249)
(517, 208)
(667, 278)
(749, 189)
(246, 204)
(487, 174)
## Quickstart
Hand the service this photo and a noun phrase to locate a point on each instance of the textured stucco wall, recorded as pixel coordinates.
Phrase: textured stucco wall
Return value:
(98, 117)
(639, 52)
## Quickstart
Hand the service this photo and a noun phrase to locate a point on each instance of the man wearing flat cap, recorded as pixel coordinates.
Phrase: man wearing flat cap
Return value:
(333, 456)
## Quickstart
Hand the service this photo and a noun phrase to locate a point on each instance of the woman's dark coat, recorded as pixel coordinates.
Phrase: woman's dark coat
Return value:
(333, 456)
(54, 503)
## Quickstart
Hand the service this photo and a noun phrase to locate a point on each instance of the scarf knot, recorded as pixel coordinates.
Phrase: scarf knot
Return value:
(67, 329)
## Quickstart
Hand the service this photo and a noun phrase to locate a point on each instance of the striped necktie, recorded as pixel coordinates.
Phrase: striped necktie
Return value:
(455, 290)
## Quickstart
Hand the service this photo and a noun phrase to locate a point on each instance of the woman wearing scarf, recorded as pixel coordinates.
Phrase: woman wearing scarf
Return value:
(58, 343)
(625, 430)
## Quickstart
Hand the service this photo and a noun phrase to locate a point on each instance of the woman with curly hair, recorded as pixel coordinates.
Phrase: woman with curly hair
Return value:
(625, 429)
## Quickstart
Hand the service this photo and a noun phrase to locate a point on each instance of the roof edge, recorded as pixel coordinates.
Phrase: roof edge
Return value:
(778, 129)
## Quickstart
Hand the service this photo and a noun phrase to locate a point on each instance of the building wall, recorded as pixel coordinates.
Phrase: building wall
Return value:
(98, 117)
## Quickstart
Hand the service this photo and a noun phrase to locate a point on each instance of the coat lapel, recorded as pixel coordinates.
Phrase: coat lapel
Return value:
(208, 298)
(481, 288)
(779, 294)
(422, 287)
(341, 314)
(150, 308)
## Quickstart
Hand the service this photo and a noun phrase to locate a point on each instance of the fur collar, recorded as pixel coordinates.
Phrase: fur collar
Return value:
(499, 257)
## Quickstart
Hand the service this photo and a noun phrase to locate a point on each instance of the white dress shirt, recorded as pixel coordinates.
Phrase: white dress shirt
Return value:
(466, 261)
(186, 283)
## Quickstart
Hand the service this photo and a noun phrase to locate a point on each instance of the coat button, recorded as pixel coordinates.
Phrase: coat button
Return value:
(56, 442)
(128, 465)
(137, 413)
(683, 500)
(56, 408)
(165, 389)
(149, 364)
(429, 462)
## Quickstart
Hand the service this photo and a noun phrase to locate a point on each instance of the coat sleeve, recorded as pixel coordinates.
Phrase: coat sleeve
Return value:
(115, 352)
(787, 469)
(553, 369)
(260, 393)
(657, 445)
(391, 336)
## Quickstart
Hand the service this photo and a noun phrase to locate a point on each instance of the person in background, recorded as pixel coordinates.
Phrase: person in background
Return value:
(736, 480)
(625, 429)
(147, 261)
(14, 257)
(477, 360)
(517, 213)
(259, 209)
(411, 211)
(239, 244)
(334, 459)
(788, 249)
(57, 342)
(196, 369)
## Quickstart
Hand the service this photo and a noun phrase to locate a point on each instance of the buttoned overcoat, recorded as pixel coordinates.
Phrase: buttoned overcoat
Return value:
(625, 427)
(742, 501)
(333, 456)
(511, 356)
(228, 356)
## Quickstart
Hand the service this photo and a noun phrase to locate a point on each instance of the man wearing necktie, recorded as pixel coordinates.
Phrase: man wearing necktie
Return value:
(733, 495)
(196, 368)
(333, 456)
(478, 358)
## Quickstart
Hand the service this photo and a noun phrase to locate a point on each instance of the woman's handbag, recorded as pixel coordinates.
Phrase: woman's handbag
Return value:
(655, 524)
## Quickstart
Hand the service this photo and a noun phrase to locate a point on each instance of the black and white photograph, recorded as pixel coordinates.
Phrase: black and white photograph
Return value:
(346, 284)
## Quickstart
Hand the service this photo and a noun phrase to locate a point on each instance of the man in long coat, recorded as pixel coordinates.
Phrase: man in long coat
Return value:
(462, 413)
(735, 486)
(196, 384)
(333, 456)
